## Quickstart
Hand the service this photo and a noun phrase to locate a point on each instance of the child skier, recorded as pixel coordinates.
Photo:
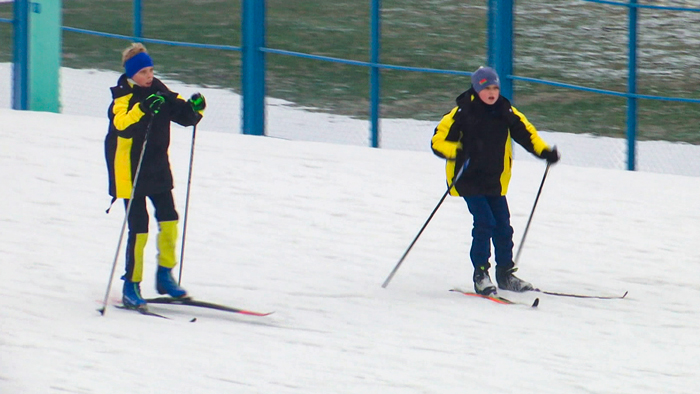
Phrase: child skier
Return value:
(140, 115)
(475, 138)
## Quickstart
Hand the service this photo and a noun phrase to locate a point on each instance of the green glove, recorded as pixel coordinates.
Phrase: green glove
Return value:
(152, 104)
(197, 102)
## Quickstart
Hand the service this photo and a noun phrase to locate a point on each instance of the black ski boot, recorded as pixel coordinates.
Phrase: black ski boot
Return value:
(482, 281)
(507, 281)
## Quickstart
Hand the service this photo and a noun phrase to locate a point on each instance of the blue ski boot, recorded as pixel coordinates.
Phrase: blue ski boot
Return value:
(131, 295)
(165, 283)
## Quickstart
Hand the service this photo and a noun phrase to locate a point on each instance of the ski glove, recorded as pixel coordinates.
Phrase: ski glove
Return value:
(552, 156)
(197, 102)
(152, 104)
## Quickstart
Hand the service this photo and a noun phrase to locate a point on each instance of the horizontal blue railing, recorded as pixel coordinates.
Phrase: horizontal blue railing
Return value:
(151, 40)
(654, 7)
(602, 91)
(365, 64)
(382, 65)
(391, 66)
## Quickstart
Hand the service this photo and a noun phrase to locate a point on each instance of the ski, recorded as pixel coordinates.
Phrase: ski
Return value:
(203, 304)
(497, 299)
(143, 311)
(599, 297)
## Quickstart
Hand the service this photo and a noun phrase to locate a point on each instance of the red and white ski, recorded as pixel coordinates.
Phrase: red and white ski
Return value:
(496, 298)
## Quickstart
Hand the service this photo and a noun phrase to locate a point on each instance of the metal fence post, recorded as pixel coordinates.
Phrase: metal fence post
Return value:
(632, 87)
(138, 22)
(20, 55)
(500, 42)
(253, 69)
(375, 28)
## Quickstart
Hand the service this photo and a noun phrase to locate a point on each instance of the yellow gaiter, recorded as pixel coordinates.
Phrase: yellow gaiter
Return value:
(167, 240)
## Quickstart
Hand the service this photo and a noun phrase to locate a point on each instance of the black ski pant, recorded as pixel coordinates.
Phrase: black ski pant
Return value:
(164, 207)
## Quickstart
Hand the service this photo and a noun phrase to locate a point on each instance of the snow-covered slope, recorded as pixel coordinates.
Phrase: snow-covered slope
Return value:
(310, 230)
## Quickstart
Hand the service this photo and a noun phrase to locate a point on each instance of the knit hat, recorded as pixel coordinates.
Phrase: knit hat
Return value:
(483, 77)
(136, 63)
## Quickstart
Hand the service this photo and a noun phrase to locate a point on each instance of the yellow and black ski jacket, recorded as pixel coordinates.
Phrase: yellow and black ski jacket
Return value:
(127, 131)
(480, 136)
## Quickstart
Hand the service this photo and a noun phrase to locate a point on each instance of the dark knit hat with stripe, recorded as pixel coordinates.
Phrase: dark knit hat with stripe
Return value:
(483, 77)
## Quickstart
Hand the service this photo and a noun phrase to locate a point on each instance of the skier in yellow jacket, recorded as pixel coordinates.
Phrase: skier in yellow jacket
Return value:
(475, 138)
(141, 110)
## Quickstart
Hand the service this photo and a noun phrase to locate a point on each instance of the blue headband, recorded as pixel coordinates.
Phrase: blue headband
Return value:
(136, 63)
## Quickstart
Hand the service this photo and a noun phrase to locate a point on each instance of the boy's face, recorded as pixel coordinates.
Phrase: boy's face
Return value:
(490, 94)
(144, 77)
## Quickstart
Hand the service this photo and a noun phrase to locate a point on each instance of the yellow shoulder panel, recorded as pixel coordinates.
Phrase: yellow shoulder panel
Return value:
(537, 142)
(123, 116)
(439, 142)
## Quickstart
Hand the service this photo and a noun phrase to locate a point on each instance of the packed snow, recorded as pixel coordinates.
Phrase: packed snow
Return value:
(310, 230)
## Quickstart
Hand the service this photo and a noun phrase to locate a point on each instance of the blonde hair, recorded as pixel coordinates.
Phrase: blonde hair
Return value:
(132, 51)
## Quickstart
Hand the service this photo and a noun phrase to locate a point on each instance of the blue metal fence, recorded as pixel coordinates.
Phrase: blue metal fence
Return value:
(500, 56)
(631, 94)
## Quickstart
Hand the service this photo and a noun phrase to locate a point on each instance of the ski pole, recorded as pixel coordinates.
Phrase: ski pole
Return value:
(126, 218)
(527, 226)
(396, 268)
(187, 204)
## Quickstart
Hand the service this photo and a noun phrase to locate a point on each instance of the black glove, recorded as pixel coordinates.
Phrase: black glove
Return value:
(197, 102)
(152, 104)
(552, 156)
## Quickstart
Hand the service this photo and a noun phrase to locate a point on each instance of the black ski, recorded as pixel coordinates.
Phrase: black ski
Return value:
(144, 311)
(203, 304)
(599, 297)
(497, 299)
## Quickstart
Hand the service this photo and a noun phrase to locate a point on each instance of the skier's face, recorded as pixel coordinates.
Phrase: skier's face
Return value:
(490, 94)
(144, 77)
